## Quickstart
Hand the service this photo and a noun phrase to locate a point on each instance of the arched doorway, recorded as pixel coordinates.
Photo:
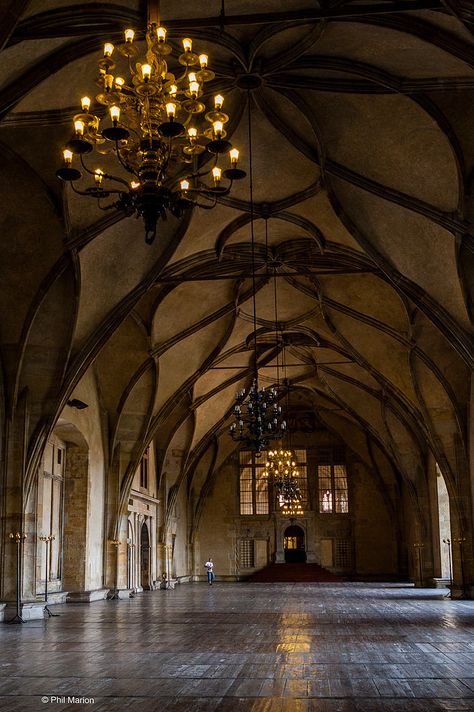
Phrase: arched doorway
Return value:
(144, 557)
(294, 545)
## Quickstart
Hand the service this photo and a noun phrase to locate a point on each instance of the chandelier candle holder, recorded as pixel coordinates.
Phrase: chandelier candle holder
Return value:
(258, 418)
(18, 539)
(47, 539)
(158, 124)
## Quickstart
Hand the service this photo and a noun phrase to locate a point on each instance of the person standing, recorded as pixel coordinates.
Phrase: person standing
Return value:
(210, 571)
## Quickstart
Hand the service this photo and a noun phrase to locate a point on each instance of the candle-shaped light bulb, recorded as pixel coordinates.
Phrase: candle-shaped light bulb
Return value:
(161, 34)
(218, 101)
(234, 156)
(194, 89)
(146, 72)
(192, 77)
(114, 113)
(79, 127)
(216, 174)
(134, 184)
(119, 82)
(184, 185)
(108, 81)
(85, 103)
(173, 90)
(98, 176)
(108, 49)
(187, 44)
(218, 128)
(192, 133)
(67, 155)
(171, 110)
(203, 58)
(129, 35)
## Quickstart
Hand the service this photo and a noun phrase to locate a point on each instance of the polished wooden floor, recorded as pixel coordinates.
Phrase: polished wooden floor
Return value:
(241, 647)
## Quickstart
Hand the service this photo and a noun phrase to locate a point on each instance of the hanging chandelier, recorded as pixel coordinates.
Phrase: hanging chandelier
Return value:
(258, 417)
(158, 125)
(280, 466)
(281, 469)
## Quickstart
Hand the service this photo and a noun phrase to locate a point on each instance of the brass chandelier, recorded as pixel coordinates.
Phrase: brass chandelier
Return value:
(281, 469)
(158, 125)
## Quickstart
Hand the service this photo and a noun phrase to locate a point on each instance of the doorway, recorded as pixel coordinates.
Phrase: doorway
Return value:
(294, 545)
(144, 557)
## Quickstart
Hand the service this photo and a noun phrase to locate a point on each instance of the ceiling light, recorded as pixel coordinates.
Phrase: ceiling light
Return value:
(150, 101)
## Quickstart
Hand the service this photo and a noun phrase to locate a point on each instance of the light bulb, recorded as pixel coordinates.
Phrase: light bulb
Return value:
(187, 44)
(67, 155)
(216, 174)
(129, 35)
(194, 89)
(79, 127)
(108, 49)
(98, 176)
(85, 103)
(234, 156)
(173, 90)
(108, 81)
(171, 110)
(161, 34)
(146, 72)
(218, 101)
(119, 82)
(114, 113)
(218, 128)
(192, 77)
(203, 60)
(134, 184)
(184, 185)
(192, 133)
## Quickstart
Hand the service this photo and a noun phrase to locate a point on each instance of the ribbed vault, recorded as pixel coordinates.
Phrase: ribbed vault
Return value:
(361, 121)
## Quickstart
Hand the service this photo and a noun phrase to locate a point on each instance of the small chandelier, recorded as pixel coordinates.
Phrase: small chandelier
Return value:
(258, 417)
(153, 132)
(281, 469)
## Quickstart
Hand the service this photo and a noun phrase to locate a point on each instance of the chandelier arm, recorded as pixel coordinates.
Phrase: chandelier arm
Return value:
(125, 165)
(203, 173)
(105, 175)
(110, 206)
(183, 76)
(205, 207)
(93, 194)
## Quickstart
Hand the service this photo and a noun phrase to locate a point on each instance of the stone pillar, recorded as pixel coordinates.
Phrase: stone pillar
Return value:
(13, 520)
(75, 518)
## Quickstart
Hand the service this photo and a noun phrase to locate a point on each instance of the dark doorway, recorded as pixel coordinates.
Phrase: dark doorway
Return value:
(294, 545)
(144, 557)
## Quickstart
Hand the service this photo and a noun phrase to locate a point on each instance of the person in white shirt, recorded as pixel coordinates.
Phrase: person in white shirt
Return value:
(210, 571)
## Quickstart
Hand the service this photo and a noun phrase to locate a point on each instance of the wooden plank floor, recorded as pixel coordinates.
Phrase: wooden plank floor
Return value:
(241, 647)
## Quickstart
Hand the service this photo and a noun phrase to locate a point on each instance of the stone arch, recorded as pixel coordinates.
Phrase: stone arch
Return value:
(294, 544)
(145, 559)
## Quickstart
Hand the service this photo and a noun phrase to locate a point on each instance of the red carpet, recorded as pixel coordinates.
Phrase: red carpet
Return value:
(293, 573)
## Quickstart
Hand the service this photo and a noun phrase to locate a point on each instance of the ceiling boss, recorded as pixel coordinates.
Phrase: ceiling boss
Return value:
(156, 127)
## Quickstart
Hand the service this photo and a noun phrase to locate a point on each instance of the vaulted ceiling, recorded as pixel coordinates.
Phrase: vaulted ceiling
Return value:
(361, 118)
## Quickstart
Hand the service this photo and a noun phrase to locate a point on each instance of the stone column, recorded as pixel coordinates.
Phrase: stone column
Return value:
(75, 518)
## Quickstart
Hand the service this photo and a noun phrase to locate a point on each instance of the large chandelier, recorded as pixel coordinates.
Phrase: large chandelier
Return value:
(158, 125)
(257, 417)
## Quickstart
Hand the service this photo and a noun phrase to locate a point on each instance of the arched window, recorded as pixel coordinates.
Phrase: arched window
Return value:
(332, 481)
